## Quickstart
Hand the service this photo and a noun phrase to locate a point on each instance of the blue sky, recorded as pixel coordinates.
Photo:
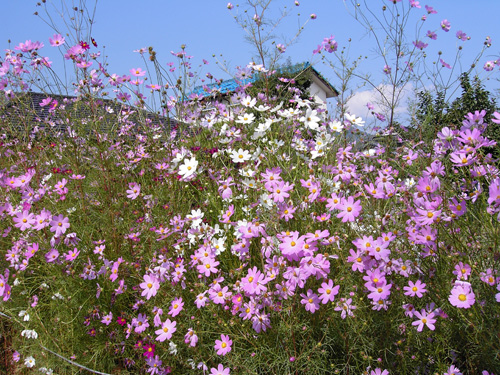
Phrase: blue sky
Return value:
(207, 28)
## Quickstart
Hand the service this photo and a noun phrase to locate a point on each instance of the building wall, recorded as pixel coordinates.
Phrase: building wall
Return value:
(318, 94)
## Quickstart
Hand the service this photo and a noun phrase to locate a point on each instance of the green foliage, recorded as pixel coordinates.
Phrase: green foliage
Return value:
(285, 83)
(433, 111)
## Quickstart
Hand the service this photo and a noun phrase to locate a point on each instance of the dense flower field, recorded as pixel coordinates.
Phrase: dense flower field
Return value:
(257, 237)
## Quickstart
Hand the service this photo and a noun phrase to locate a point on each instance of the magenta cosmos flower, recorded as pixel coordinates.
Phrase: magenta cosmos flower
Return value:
(349, 209)
(462, 296)
(223, 346)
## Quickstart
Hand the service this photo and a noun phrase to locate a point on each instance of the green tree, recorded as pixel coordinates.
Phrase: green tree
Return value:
(432, 112)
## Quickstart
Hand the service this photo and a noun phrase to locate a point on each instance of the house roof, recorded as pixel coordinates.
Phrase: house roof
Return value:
(227, 87)
(27, 108)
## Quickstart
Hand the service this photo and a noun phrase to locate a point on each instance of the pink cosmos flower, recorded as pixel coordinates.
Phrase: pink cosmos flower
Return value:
(52, 255)
(166, 331)
(208, 266)
(431, 34)
(462, 36)
(138, 72)
(333, 202)
(59, 224)
(452, 370)
(150, 286)
(24, 220)
(328, 292)
(445, 25)
(379, 292)
(72, 254)
(107, 319)
(424, 319)
(223, 346)
(349, 209)
(346, 307)
(201, 300)
(292, 245)
(280, 191)
(444, 64)
(415, 289)
(419, 44)
(286, 211)
(430, 10)
(176, 307)
(133, 191)
(427, 217)
(220, 370)
(254, 283)
(462, 271)
(140, 323)
(191, 338)
(311, 301)
(380, 250)
(415, 4)
(462, 295)
(260, 322)
(42, 220)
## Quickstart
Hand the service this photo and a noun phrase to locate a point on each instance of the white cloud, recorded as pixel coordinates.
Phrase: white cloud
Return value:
(357, 103)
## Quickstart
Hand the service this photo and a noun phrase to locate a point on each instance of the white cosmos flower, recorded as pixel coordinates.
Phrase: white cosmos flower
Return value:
(245, 118)
(336, 126)
(311, 119)
(25, 315)
(172, 348)
(196, 217)
(354, 120)
(262, 108)
(189, 167)
(249, 102)
(240, 156)
(317, 153)
(179, 156)
(29, 361)
(266, 125)
(29, 334)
